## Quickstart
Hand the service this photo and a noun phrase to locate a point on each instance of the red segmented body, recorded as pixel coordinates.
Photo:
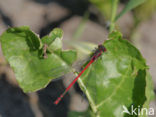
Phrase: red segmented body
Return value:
(97, 53)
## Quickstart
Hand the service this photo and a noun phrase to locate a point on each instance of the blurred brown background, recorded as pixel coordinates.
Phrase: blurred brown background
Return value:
(85, 26)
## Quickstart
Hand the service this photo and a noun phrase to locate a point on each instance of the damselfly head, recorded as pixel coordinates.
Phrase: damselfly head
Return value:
(101, 48)
(98, 52)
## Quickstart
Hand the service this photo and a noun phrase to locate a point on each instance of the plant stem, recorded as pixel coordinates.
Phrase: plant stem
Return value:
(85, 90)
(114, 10)
(92, 104)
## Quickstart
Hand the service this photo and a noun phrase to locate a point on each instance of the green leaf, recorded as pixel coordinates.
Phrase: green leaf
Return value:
(149, 92)
(118, 78)
(130, 5)
(69, 56)
(54, 39)
(21, 47)
(54, 34)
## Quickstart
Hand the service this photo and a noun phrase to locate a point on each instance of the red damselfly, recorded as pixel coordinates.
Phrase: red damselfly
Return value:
(96, 54)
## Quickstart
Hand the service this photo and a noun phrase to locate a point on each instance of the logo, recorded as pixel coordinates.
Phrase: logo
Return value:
(138, 110)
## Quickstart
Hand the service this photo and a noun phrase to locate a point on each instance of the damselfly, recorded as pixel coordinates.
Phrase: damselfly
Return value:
(95, 56)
